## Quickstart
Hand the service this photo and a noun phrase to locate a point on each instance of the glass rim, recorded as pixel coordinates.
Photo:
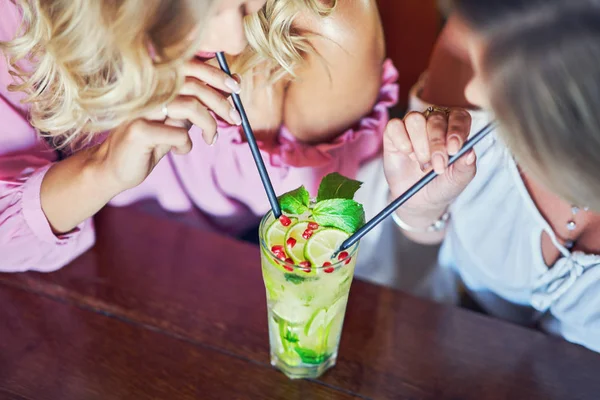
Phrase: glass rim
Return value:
(351, 251)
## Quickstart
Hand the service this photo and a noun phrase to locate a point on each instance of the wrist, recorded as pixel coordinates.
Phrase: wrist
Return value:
(94, 170)
(73, 190)
(437, 225)
(422, 219)
(420, 211)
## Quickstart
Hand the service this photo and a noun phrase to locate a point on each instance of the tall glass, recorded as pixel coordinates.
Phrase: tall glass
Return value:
(305, 310)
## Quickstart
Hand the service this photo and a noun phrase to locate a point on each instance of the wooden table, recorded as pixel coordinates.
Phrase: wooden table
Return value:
(160, 310)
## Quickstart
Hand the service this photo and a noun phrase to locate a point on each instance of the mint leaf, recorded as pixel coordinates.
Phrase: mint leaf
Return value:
(336, 186)
(295, 279)
(291, 337)
(344, 214)
(295, 202)
(310, 356)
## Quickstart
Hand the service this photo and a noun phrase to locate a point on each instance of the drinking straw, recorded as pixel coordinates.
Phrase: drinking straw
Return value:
(386, 212)
(262, 171)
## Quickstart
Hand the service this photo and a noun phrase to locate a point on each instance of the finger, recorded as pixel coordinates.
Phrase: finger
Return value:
(459, 127)
(398, 149)
(159, 113)
(396, 137)
(463, 170)
(416, 127)
(189, 108)
(437, 127)
(156, 134)
(212, 99)
(212, 76)
(179, 123)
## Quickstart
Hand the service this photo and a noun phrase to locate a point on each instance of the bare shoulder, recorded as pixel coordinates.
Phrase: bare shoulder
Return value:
(339, 85)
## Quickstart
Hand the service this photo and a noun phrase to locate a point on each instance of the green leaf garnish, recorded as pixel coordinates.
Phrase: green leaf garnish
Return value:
(295, 279)
(295, 202)
(310, 356)
(336, 186)
(291, 337)
(344, 214)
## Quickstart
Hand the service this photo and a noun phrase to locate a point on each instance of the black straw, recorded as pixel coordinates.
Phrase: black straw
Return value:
(386, 212)
(264, 176)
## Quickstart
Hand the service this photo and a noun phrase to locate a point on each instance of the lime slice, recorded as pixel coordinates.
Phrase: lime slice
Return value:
(275, 236)
(323, 317)
(321, 246)
(316, 322)
(334, 331)
(296, 252)
(276, 233)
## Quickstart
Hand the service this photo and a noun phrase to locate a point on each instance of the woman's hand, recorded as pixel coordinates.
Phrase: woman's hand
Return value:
(76, 188)
(418, 144)
(130, 152)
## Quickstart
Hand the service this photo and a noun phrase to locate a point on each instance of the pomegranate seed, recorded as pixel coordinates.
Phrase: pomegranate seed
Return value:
(277, 249)
(306, 267)
(285, 220)
(313, 226)
(307, 234)
(329, 269)
(348, 261)
(281, 256)
(289, 267)
(343, 255)
(291, 242)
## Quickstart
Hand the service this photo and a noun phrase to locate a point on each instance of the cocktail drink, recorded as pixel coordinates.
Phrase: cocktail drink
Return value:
(307, 282)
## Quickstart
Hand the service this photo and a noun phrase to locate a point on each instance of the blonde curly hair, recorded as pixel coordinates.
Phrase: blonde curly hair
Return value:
(276, 45)
(82, 78)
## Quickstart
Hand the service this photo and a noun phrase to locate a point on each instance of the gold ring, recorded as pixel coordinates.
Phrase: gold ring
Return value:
(432, 109)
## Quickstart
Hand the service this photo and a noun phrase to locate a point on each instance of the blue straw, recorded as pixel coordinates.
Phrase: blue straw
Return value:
(386, 212)
(264, 176)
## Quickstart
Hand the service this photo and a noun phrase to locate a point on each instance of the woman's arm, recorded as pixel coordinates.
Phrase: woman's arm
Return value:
(27, 241)
(449, 69)
(448, 74)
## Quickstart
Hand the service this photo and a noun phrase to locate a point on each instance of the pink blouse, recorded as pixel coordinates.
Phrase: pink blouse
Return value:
(221, 181)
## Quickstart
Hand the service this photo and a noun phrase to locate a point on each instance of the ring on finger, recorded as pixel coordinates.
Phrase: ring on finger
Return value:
(432, 109)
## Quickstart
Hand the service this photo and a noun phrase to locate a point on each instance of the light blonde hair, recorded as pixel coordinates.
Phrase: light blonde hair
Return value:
(86, 67)
(277, 47)
(542, 66)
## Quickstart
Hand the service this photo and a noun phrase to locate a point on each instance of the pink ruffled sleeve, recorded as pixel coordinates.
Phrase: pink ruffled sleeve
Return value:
(363, 141)
(26, 239)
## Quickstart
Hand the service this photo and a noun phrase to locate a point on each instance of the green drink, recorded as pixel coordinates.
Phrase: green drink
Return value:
(307, 289)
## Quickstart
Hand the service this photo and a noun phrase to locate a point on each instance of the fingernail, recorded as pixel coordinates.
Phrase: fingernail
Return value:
(453, 145)
(214, 139)
(425, 167)
(233, 85)
(439, 163)
(470, 158)
(235, 116)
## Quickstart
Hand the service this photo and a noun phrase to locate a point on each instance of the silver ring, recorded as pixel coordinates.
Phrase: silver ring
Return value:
(165, 111)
